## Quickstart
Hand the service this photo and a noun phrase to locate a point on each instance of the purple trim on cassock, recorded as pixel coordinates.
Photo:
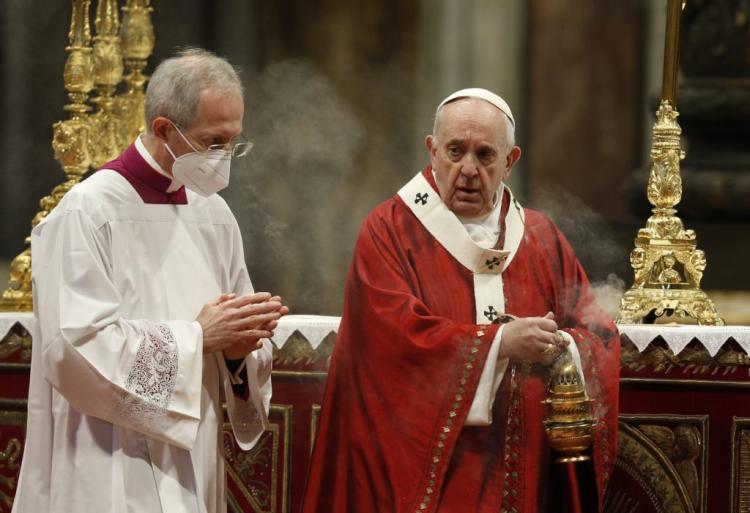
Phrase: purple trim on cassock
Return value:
(150, 185)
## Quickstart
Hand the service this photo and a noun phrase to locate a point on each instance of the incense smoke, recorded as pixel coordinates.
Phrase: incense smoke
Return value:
(608, 294)
(290, 193)
(593, 241)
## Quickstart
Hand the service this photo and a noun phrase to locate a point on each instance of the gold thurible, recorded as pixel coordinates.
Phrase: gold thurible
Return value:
(89, 138)
(569, 422)
(667, 265)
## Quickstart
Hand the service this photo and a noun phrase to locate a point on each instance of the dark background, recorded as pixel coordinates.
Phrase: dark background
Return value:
(340, 95)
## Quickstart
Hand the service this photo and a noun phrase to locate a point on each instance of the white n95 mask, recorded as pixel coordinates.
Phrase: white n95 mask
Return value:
(203, 172)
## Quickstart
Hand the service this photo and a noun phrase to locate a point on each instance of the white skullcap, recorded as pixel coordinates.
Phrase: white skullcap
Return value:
(482, 94)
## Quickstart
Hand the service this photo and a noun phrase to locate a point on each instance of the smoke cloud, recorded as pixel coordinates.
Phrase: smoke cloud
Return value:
(593, 241)
(608, 294)
(289, 194)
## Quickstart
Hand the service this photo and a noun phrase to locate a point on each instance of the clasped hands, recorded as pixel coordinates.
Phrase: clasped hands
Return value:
(532, 339)
(236, 325)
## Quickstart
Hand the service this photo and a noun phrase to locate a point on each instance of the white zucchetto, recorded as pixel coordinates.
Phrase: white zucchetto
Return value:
(482, 94)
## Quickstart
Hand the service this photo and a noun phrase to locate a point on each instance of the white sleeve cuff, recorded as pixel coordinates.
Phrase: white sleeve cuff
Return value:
(250, 417)
(480, 412)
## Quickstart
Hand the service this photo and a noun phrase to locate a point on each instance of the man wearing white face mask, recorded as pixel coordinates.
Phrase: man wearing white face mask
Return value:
(147, 320)
(207, 171)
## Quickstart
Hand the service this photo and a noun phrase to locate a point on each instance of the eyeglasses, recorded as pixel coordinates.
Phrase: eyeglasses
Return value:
(238, 147)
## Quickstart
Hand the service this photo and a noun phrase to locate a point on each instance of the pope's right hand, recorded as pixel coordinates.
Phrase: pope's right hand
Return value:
(531, 339)
(229, 319)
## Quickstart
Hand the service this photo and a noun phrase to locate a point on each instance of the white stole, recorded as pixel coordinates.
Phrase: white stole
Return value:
(486, 265)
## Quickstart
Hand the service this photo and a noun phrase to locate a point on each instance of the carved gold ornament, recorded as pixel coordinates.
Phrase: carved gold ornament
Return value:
(667, 265)
(666, 456)
(92, 136)
(9, 461)
(17, 339)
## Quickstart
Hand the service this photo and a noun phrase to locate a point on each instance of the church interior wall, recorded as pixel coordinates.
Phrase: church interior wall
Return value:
(339, 98)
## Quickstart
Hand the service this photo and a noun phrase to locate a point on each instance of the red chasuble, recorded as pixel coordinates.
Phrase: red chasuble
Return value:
(407, 361)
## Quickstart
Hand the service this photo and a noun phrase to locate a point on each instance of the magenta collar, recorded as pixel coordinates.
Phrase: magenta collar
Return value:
(150, 185)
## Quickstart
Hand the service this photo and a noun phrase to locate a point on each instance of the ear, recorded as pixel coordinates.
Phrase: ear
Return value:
(160, 127)
(510, 160)
(429, 141)
(431, 144)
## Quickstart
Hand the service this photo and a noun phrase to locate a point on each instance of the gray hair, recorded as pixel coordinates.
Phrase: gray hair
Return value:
(510, 129)
(176, 84)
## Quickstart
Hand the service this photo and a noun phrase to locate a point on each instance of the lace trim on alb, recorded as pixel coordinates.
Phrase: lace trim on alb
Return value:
(154, 372)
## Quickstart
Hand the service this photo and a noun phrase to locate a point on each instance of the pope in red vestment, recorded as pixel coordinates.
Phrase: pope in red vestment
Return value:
(433, 400)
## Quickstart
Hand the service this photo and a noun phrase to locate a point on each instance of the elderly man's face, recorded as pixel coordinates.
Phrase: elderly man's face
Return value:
(471, 155)
(218, 120)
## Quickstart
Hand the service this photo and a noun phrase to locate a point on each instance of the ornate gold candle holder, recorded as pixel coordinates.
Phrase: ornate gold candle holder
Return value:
(91, 137)
(667, 265)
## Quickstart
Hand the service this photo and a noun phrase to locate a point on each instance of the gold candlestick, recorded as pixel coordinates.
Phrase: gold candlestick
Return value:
(69, 142)
(87, 139)
(667, 265)
(107, 74)
(137, 36)
(671, 51)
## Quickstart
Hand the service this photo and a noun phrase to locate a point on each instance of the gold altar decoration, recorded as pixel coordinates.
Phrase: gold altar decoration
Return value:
(667, 265)
(569, 423)
(91, 136)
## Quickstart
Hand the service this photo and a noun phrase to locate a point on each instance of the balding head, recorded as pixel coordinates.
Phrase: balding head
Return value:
(496, 101)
